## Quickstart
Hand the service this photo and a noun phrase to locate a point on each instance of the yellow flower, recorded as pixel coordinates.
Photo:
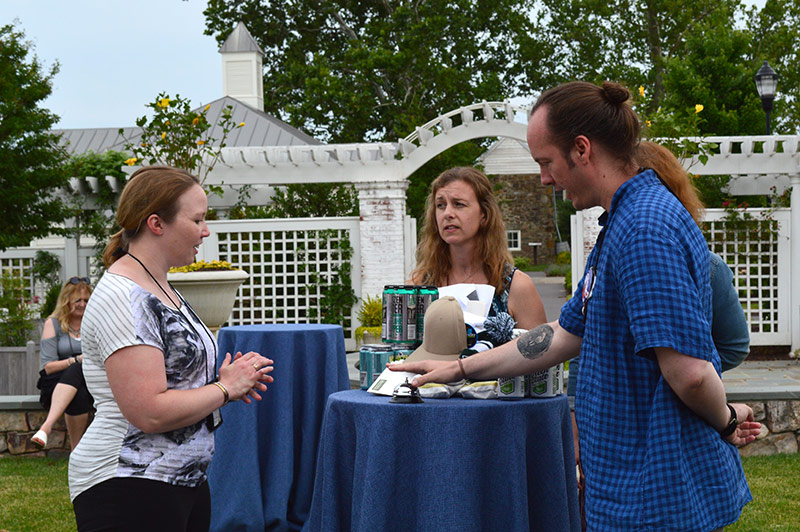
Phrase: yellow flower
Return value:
(241, 125)
(697, 108)
(200, 142)
(648, 122)
(163, 102)
(164, 134)
(196, 120)
(207, 107)
(166, 123)
(641, 91)
(144, 144)
(131, 161)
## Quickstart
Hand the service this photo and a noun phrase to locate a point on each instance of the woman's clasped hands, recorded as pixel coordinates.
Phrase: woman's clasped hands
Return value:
(246, 375)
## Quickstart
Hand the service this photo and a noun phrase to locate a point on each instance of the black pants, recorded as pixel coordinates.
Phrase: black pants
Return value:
(73, 376)
(137, 504)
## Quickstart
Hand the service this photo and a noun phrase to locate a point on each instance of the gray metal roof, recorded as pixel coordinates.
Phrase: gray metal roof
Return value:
(240, 40)
(260, 129)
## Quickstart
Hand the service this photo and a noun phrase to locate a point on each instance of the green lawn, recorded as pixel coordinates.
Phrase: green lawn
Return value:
(34, 497)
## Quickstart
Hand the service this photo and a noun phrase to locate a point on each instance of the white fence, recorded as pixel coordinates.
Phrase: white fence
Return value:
(761, 262)
(280, 255)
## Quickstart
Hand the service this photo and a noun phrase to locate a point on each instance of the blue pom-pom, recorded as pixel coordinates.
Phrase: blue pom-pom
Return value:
(500, 328)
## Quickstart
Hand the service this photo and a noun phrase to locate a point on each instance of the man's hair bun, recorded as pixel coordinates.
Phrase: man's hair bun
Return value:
(615, 93)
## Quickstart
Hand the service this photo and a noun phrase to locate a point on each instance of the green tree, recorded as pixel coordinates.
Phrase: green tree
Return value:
(682, 52)
(777, 40)
(716, 71)
(30, 156)
(356, 71)
(304, 200)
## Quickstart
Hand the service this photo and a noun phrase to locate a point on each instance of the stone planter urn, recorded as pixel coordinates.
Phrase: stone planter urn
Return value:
(210, 293)
(372, 335)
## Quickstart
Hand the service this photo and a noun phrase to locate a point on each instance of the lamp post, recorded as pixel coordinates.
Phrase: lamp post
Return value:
(766, 83)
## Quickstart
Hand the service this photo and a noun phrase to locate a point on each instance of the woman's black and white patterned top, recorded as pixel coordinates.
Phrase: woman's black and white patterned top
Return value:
(120, 314)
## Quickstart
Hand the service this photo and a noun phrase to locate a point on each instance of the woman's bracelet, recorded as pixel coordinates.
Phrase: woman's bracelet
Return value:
(224, 391)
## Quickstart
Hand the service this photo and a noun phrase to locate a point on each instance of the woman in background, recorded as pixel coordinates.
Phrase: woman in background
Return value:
(464, 241)
(63, 388)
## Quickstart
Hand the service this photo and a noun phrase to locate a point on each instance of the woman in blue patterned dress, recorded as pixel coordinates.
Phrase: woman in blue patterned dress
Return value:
(464, 241)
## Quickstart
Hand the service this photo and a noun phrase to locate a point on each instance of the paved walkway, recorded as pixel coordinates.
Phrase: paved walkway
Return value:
(752, 381)
(763, 380)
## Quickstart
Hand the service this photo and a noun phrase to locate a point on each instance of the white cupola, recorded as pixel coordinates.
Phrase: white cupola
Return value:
(242, 71)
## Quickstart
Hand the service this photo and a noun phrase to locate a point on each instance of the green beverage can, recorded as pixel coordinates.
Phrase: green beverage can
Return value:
(402, 351)
(365, 365)
(386, 311)
(410, 298)
(511, 387)
(427, 294)
(399, 314)
(381, 355)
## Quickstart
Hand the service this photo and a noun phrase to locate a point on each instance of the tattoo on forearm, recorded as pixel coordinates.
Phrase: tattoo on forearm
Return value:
(535, 342)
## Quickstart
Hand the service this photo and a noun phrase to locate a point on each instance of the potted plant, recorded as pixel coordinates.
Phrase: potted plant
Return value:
(210, 288)
(369, 315)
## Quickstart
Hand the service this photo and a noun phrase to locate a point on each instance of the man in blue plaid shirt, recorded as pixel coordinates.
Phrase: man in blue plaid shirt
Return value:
(657, 437)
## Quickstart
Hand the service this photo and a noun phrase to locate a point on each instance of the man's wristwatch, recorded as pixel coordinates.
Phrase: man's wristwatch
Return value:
(731, 427)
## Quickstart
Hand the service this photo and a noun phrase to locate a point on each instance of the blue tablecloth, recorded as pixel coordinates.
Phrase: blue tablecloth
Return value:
(445, 465)
(262, 474)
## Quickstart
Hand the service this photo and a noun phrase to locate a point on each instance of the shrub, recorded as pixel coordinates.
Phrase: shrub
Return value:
(557, 270)
(565, 257)
(47, 270)
(523, 263)
(370, 315)
(371, 312)
(16, 314)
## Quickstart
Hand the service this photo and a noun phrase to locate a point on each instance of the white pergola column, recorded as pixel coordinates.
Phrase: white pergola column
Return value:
(794, 260)
(382, 207)
(71, 265)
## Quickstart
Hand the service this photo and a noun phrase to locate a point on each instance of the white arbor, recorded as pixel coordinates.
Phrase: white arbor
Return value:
(386, 237)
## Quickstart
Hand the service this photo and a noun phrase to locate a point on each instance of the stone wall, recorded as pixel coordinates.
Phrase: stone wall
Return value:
(19, 424)
(780, 428)
(527, 207)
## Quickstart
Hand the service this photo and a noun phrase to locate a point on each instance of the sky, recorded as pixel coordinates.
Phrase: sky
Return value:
(115, 56)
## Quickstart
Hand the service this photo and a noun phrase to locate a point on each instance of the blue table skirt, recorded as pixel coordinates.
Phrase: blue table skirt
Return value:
(262, 474)
(445, 465)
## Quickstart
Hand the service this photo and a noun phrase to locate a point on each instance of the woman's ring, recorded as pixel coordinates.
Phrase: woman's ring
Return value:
(255, 366)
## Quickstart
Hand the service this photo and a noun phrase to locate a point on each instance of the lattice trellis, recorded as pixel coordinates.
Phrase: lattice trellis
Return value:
(19, 266)
(753, 248)
(281, 260)
(758, 252)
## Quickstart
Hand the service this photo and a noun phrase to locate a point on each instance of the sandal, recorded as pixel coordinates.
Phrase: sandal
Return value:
(40, 439)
